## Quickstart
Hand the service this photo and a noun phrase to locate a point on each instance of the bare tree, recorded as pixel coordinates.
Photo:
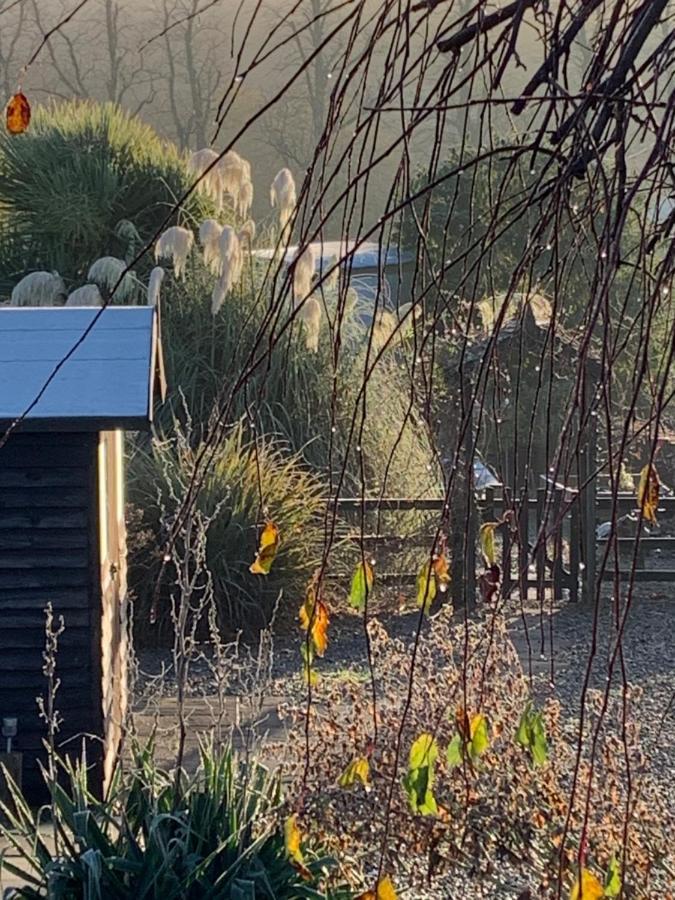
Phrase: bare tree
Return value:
(193, 72)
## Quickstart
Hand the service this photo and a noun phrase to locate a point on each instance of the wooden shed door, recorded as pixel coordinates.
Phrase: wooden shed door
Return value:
(113, 595)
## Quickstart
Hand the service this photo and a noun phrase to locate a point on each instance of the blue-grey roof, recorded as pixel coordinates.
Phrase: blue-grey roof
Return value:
(107, 382)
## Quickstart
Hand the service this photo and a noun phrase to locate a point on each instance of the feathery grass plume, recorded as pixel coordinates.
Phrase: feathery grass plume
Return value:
(211, 185)
(247, 232)
(106, 272)
(231, 261)
(283, 195)
(245, 199)
(87, 295)
(304, 266)
(235, 174)
(39, 289)
(310, 316)
(155, 284)
(175, 244)
(209, 237)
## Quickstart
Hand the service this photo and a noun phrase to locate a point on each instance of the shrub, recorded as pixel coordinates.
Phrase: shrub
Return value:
(66, 184)
(243, 485)
(215, 834)
(497, 806)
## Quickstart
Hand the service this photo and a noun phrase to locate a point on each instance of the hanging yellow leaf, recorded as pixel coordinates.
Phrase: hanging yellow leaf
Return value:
(648, 493)
(419, 780)
(383, 891)
(426, 586)
(357, 770)
(267, 551)
(362, 585)
(314, 616)
(486, 535)
(442, 572)
(587, 887)
(292, 838)
(18, 114)
(480, 736)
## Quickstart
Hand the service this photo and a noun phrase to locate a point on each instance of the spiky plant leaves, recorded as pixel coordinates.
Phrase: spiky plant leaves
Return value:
(78, 172)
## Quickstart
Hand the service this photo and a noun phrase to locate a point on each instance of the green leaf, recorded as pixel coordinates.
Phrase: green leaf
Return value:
(613, 878)
(454, 753)
(486, 537)
(531, 734)
(426, 586)
(419, 779)
(362, 586)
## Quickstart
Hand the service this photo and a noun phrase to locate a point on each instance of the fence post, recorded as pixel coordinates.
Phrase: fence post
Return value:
(540, 554)
(557, 544)
(575, 537)
(506, 545)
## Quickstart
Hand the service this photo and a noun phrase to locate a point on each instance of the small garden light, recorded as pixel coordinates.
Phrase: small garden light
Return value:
(10, 726)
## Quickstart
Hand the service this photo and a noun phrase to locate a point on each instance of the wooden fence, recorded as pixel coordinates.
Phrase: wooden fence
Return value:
(566, 564)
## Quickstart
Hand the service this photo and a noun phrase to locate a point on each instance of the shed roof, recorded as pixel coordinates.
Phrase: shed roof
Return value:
(108, 382)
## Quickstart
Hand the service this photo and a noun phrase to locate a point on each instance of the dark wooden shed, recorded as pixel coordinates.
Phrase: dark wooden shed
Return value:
(62, 531)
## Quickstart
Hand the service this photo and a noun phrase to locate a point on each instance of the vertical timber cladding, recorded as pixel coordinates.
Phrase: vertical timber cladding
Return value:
(49, 554)
(113, 619)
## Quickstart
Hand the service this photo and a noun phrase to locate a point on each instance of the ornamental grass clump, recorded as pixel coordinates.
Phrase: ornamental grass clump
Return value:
(247, 482)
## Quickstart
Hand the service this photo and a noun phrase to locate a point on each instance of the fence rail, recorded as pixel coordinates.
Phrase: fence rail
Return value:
(566, 561)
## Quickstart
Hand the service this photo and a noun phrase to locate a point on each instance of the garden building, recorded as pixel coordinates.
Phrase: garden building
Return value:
(75, 378)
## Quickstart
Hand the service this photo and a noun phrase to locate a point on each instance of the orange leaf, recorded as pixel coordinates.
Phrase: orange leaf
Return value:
(267, 551)
(18, 114)
(648, 493)
(314, 617)
(442, 572)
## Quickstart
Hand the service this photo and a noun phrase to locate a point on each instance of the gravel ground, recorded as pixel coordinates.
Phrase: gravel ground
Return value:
(649, 659)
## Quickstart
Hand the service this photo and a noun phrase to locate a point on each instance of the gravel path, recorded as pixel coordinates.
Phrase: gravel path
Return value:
(648, 657)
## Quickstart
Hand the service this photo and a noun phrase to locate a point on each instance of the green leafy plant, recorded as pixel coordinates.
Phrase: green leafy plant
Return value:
(215, 834)
(68, 183)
